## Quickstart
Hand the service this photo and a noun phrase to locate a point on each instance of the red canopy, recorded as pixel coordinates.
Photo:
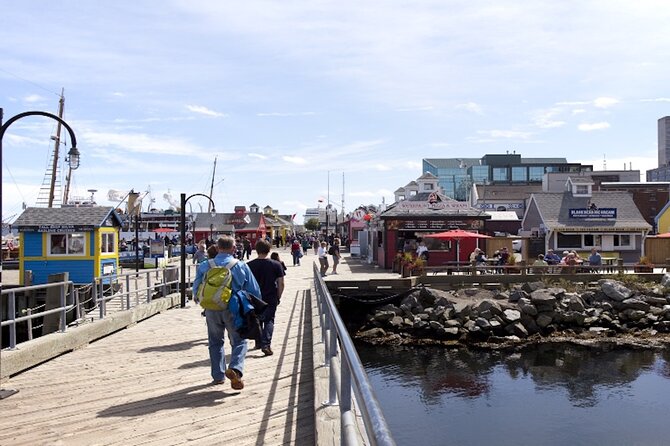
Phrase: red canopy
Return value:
(164, 230)
(664, 235)
(457, 234)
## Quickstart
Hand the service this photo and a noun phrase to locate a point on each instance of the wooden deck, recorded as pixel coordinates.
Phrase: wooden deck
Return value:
(150, 385)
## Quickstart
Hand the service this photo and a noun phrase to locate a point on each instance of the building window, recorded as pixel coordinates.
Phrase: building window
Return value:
(622, 240)
(428, 186)
(500, 174)
(519, 174)
(581, 189)
(535, 173)
(108, 243)
(591, 240)
(66, 244)
(569, 241)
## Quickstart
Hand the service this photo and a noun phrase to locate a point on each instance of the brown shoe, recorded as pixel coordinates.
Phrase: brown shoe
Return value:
(267, 351)
(235, 379)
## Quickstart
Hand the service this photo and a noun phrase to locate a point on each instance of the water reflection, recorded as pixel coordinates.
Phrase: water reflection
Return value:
(542, 395)
(580, 371)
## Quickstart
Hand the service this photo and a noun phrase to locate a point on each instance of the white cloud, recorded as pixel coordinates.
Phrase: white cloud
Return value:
(471, 107)
(33, 98)
(204, 111)
(544, 119)
(578, 111)
(258, 155)
(294, 160)
(605, 102)
(588, 127)
(655, 100)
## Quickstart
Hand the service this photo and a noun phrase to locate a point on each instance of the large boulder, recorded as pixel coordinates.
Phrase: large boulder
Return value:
(615, 290)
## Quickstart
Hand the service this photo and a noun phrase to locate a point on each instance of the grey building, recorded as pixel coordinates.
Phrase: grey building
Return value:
(662, 172)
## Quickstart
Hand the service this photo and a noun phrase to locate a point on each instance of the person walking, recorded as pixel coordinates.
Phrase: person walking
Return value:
(200, 254)
(323, 259)
(219, 321)
(270, 277)
(296, 252)
(275, 256)
(335, 252)
(246, 244)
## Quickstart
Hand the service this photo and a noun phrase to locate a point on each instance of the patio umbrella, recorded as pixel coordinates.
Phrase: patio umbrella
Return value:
(664, 235)
(458, 235)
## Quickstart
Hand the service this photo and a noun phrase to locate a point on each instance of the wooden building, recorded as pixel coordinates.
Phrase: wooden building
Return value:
(82, 241)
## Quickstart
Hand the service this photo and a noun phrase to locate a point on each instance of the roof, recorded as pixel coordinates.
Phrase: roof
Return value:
(412, 184)
(452, 163)
(203, 221)
(544, 161)
(581, 180)
(95, 216)
(427, 176)
(507, 191)
(554, 209)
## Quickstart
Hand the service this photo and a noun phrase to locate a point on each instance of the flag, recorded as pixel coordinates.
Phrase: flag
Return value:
(293, 217)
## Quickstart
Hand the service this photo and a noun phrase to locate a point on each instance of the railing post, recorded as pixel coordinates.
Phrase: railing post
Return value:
(148, 288)
(128, 292)
(77, 303)
(332, 340)
(63, 314)
(103, 302)
(11, 313)
(29, 313)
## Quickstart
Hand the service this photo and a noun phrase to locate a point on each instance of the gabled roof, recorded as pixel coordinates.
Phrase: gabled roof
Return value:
(460, 208)
(95, 216)
(554, 208)
(427, 176)
(412, 184)
(203, 221)
(399, 190)
(580, 180)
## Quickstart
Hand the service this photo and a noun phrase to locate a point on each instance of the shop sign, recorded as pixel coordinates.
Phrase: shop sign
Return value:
(58, 228)
(593, 213)
(426, 205)
(494, 206)
(433, 225)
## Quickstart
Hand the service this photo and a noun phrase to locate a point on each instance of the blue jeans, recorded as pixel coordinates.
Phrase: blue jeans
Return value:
(217, 323)
(267, 319)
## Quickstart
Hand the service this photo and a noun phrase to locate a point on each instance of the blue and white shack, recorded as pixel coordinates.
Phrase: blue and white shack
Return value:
(83, 241)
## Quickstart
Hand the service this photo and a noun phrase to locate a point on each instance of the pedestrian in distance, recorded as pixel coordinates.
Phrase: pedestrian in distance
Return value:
(270, 277)
(220, 321)
(200, 254)
(275, 256)
(323, 259)
(296, 252)
(335, 252)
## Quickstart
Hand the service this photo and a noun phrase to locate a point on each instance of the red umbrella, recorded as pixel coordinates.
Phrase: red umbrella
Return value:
(457, 234)
(664, 235)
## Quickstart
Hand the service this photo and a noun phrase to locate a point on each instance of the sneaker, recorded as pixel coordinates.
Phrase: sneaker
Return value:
(216, 382)
(267, 351)
(235, 379)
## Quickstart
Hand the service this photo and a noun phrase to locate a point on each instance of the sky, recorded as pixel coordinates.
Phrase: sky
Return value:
(301, 101)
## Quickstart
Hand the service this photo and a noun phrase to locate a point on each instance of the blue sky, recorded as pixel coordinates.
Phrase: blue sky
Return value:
(284, 92)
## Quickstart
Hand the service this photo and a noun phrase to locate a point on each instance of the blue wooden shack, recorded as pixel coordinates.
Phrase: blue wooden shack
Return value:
(83, 241)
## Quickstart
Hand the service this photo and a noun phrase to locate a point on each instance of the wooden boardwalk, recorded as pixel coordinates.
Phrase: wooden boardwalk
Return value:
(150, 385)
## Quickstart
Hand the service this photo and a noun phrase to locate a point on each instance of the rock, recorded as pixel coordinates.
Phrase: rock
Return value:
(510, 315)
(483, 323)
(516, 295)
(598, 329)
(665, 280)
(543, 320)
(633, 315)
(489, 305)
(420, 324)
(656, 301)
(434, 325)
(615, 290)
(397, 322)
(518, 330)
(384, 316)
(529, 287)
(372, 333)
(528, 308)
(452, 323)
(451, 331)
(575, 303)
(462, 310)
(635, 304)
(543, 299)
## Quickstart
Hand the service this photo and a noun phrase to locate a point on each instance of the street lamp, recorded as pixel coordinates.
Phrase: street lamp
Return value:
(72, 159)
(183, 241)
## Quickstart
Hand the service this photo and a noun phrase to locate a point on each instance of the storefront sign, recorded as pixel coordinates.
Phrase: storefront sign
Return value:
(433, 225)
(425, 205)
(494, 206)
(593, 213)
(58, 228)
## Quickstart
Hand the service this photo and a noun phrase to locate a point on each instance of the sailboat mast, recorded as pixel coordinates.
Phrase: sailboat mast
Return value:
(211, 188)
(54, 167)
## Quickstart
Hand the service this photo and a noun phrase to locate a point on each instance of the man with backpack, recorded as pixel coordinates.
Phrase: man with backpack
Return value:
(219, 318)
(270, 277)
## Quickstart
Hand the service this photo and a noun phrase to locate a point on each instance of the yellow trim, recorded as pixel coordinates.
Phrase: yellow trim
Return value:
(96, 252)
(21, 257)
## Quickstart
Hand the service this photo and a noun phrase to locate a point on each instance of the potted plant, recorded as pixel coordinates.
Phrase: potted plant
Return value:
(406, 264)
(397, 260)
(419, 263)
(644, 265)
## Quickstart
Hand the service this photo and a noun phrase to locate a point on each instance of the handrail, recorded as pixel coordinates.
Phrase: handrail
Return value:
(351, 375)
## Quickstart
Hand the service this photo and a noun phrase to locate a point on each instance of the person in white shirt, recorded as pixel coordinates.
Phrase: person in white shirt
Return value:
(323, 258)
(422, 251)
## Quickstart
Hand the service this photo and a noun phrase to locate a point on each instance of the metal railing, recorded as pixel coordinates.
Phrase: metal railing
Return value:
(126, 290)
(340, 351)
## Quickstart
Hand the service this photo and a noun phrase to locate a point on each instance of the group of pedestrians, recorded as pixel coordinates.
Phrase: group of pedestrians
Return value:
(323, 252)
(262, 277)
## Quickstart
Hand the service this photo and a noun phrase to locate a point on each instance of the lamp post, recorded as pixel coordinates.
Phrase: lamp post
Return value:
(72, 159)
(184, 199)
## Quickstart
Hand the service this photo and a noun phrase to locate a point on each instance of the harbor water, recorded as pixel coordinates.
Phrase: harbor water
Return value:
(554, 394)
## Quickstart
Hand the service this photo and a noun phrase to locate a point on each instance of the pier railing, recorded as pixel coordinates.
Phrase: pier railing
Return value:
(78, 305)
(346, 373)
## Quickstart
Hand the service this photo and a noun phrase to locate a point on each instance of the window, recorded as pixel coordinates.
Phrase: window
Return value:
(622, 240)
(591, 240)
(500, 174)
(519, 174)
(428, 186)
(569, 241)
(108, 244)
(67, 244)
(581, 189)
(535, 173)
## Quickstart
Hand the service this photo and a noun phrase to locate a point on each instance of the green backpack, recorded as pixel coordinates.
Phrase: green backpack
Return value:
(215, 290)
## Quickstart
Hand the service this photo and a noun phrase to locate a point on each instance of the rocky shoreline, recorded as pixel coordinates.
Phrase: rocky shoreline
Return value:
(631, 315)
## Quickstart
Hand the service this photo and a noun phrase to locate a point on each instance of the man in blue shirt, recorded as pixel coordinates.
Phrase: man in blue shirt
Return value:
(220, 320)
